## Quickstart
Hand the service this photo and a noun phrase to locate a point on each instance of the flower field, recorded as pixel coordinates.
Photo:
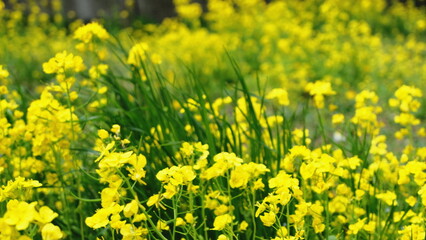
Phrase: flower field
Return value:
(236, 119)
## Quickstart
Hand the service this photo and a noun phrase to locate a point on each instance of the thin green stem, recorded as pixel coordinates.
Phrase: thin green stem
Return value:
(134, 194)
(78, 178)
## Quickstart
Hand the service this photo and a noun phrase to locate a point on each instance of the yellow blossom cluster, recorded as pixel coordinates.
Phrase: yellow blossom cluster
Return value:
(89, 31)
(111, 166)
(21, 215)
(63, 62)
(311, 154)
(406, 100)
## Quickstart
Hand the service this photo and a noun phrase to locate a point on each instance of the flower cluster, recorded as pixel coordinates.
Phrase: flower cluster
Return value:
(191, 151)
(21, 215)
(406, 101)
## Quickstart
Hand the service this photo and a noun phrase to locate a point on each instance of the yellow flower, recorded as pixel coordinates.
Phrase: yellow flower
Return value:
(20, 214)
(422, 132)
(176, 175)
(280, 95)
(268, 219)
(221, 221)
(307, 170)
(155, 200)
(87, 32)
(318, 90)
(109, 196)
(129, 232)
(243, 226)
(116, 129)
(189, 10)
(412, 232)
(103, 134)
(222, 209)
(239, 178)
(3, 72)
(187, 150)
(299, 136)
(222, 237)
(359, 194)
(411, 201)
(136, 171)
(318, 225)
(316, 210)
(131, 209)
(99, 219)
(180, 222)
(388, 197)
(186, 174)
(45, 215)
(422, 193)
(115, 159)
(258, 184)
(189, 218)
(162, 225)
(282, 232)
(97, 71)
(356, 227)
(338, 204)
(406, 119)
(115, 222)
(63, 62)
(137, 54)
(354, 162)
(242, 174)
(51, 232)
(223, 162)
(139, 217)
(370, 227)
(171, 190)
(338, 118)
(405, 99)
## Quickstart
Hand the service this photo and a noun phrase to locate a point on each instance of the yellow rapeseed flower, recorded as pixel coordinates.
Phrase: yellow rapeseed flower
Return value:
(356, 227)
(220, 222)
(388, 197)
(137, 54)
(63, 62)
(189, 218)
(20, 214)
(243, 226)
(51, 232)
(131, 209)
(3, 73)
(338, 118)
(280, 94)
(45, 215)
(87, 32)
(103, 134)
(222, 237)
(129, 231)
(268, 219)
(180, 222)
(162, 225)
(318, 90)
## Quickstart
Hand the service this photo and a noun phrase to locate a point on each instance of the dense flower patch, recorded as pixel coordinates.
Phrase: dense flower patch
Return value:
(246, 121)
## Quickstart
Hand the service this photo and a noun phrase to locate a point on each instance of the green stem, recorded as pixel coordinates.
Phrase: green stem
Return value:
(254, 213)
(134, 194)
(327, 216)
(203, 209)
(324, 137)
(80, 203)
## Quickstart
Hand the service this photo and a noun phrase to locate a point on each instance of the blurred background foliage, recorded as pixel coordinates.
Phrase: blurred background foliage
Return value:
(288, 43)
